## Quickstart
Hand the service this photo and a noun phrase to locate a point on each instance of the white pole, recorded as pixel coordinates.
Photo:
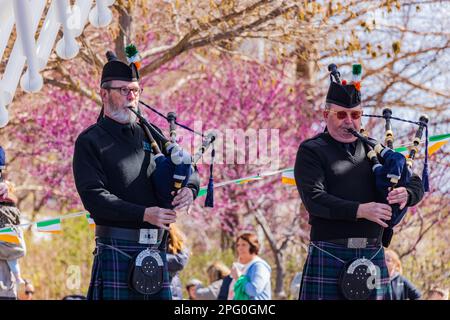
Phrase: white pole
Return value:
(80, 14)
(101, 15)
(6, 25)
(47, 36)
(4, 115)
(12, 74)
(16, 61)
(67, 47)
(31, 81)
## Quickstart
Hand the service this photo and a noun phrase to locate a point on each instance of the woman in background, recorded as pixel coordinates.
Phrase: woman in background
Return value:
(251, 274)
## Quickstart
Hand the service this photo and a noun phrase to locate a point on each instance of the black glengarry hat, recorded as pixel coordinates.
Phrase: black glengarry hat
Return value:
(341, 93)
(115, 69)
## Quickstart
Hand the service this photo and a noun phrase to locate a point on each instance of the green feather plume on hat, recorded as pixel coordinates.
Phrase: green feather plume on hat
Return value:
(356, 69)
(132, 54)
(356, 76)
(131, 50)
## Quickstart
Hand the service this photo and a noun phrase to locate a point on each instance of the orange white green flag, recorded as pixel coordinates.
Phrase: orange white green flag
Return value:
(437, 142)
(288, 178)
(9, 235)
(90, 220)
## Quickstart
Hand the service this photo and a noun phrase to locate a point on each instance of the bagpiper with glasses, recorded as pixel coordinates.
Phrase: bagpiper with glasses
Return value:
(337, 186)
(112, 164)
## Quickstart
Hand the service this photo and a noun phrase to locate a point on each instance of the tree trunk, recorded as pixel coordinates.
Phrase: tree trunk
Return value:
(306, 69)
(125, 31)
(280, 274)
(226, 241)
(278, 254)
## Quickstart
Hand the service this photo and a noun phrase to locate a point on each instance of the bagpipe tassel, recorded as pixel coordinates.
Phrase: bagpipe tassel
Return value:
(426, 185)
(209, 201)
(2, 160)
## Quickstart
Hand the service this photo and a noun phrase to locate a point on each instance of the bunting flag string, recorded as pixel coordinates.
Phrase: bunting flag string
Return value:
(435, 143)
(53, 225)
(244, 180)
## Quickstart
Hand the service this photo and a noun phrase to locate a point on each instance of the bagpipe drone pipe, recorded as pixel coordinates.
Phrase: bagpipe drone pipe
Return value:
(391, 168)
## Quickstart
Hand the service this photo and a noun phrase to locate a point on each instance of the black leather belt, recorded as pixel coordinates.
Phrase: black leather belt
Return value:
(355, 243)
(143, 236)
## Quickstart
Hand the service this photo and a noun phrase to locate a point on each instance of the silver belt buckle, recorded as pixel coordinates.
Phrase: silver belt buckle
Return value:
(357, 243)
(148, 236)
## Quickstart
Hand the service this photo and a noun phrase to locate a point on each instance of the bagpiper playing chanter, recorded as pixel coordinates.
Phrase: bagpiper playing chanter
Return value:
(394, 170)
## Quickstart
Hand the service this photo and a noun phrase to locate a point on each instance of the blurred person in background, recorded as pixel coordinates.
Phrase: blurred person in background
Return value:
(191, 288)
(402, 288)
(26, 291)
(251, 274)
(12, 246)
(217, 272)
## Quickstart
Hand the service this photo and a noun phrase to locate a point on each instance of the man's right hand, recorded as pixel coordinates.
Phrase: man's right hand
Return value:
(159, 217)
(376, 212)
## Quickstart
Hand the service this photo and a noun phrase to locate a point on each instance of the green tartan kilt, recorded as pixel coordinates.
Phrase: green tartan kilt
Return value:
(109, 278)
(320, 278)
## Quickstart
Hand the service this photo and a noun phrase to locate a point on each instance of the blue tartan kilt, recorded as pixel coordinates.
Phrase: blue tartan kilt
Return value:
(320, 278)
(109, 278)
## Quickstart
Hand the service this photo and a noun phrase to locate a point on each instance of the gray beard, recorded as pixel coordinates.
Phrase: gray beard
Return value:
(120, 114)
(123, 116)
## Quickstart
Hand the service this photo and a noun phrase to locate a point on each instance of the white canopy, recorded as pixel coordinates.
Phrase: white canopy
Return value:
(26, 14)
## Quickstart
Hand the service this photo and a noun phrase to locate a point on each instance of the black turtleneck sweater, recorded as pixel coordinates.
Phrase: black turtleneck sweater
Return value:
(333, 179)
(112, 168)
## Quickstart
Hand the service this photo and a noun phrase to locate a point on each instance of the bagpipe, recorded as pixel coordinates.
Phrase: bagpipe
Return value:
(174, 165)
(391, 168)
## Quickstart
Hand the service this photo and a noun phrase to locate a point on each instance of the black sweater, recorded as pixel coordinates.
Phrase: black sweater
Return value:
(332, 183)
(112, 170)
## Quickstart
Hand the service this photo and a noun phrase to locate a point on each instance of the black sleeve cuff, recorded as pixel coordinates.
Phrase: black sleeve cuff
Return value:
(348, 211)
(410, 196)
(194, 190)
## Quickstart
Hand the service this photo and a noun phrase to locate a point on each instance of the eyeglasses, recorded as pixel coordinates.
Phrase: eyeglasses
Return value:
(29, 292)
(126, 91)
(341, 115)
